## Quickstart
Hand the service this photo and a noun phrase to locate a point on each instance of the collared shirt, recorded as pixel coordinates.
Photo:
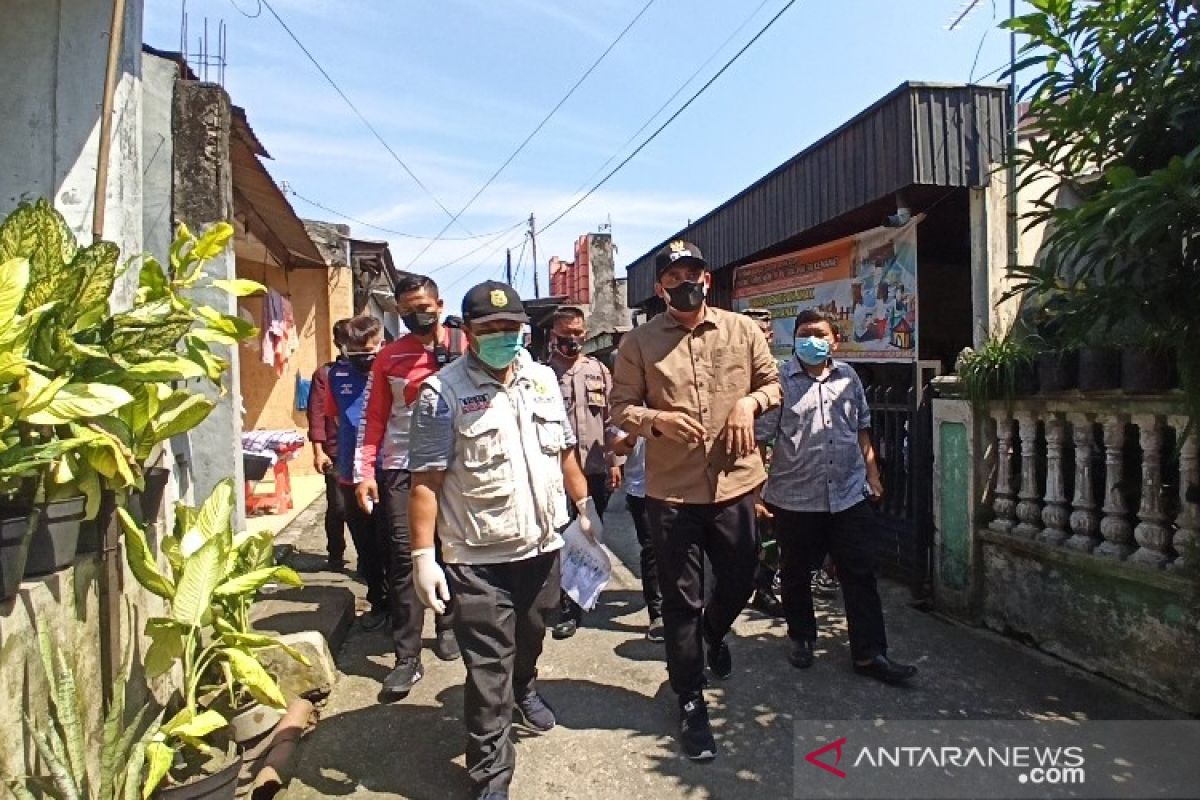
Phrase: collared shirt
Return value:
(817, 464)
(703, 373)
(500, 446)
(322, 428)
(586, 384)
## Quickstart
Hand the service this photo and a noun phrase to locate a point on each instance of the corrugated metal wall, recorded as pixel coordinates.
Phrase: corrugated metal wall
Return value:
(940, 135)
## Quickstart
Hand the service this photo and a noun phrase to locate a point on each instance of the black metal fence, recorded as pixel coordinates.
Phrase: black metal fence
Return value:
(901, 426)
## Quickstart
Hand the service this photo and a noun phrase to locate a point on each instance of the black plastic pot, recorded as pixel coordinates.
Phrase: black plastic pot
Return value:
(1057, 372)
(55, 540)
(152, 495)
(13, 549)
(220, 785)
(1025, 380)
(1145, 371)
(1099, 369)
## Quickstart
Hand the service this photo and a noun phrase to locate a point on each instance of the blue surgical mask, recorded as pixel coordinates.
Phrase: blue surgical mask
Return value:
(813, 350)
(498, 350)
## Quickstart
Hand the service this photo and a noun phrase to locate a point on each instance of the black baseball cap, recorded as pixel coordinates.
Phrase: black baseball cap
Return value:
(492, 300)
(677, 250)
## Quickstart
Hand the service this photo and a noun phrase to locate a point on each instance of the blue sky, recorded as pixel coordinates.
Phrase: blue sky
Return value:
(455, 85)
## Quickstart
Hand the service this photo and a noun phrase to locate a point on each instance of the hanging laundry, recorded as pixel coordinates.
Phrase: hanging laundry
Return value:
(280, 338)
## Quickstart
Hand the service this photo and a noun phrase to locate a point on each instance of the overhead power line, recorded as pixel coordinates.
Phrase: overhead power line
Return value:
(671, 118)
(538, 128)
(475, 250)
(666, 103)
(350, 103)
(482, 262)
(392, 231)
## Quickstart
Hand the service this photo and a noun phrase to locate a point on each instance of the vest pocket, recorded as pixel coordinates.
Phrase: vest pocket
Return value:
(487, 484)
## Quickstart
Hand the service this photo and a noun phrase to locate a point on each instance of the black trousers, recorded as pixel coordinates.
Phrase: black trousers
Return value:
(335, 520)
(683, 535)
(599, 492)
(407, 611)
(641, 524)
(365, 530)
(804, 540)
(500, 624)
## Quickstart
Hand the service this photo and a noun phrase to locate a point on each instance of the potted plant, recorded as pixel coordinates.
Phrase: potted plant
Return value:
(1000, 370)
(107, 383)
(62, 740)
(213, 578)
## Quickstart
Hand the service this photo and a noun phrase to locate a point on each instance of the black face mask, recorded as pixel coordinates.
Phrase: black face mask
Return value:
(420, 322)
(687, 296)
(361, 361)
(568, 346)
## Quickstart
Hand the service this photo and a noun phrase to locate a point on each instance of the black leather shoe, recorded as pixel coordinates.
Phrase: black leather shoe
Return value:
(801, 656)
(767, 603)
(881, 668)
(565, 629)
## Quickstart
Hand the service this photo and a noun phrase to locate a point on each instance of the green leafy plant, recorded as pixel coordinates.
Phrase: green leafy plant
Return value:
(996, 370)
(62, 741)
(89, 393)
(1115, 119)
(213, 579)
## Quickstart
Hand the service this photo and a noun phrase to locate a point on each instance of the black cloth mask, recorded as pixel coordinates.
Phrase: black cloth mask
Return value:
(361, 361)
(420, 322)
(568, 346)
(687, 296)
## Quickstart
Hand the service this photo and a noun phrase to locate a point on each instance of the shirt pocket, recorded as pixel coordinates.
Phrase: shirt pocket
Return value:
(551, 434)
(594, 391)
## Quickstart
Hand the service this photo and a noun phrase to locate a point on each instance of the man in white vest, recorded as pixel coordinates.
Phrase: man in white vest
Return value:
(493, 462)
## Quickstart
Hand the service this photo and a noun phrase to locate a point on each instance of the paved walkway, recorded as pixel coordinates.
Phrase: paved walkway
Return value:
(618, 718)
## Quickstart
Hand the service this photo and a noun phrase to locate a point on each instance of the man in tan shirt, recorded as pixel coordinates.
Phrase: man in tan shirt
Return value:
(691, 382)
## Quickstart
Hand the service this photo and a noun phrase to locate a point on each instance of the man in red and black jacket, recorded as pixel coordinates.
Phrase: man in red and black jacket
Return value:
(322, 432)
(383, 442)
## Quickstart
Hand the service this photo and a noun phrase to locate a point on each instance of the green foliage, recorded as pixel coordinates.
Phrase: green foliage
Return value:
(62, 740)
(994, 372)
(214, 577)
(1116, 116)
(88, 395)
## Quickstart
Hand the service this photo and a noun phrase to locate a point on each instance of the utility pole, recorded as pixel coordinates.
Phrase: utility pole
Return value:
(537, 289)
(508, 266)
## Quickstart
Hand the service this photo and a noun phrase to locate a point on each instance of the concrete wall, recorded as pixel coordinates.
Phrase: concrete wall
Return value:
(609, 310)
(51, 86)
(202, 194)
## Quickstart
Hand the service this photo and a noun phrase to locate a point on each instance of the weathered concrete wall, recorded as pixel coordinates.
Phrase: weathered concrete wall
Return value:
(960, 465)
(158, 153)
(609, 312)
(1136, 626)
(202, 195)
(51, 86)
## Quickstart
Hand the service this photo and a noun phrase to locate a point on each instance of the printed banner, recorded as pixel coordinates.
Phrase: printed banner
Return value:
(867, 282)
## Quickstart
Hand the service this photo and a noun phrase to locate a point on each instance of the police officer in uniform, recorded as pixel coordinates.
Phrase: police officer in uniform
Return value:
(585, 384)
(493, 462)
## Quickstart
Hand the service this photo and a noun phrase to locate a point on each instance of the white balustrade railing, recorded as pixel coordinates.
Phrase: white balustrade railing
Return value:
(1053, 457)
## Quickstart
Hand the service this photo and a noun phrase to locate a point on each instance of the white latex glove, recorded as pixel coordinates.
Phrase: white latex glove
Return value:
(589, 519)
(429, 580)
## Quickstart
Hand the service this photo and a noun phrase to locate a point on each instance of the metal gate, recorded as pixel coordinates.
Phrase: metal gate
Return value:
(902, 427)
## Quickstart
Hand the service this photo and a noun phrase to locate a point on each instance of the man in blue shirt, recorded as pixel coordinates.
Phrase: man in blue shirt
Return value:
(823, 479)
(345, 402)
